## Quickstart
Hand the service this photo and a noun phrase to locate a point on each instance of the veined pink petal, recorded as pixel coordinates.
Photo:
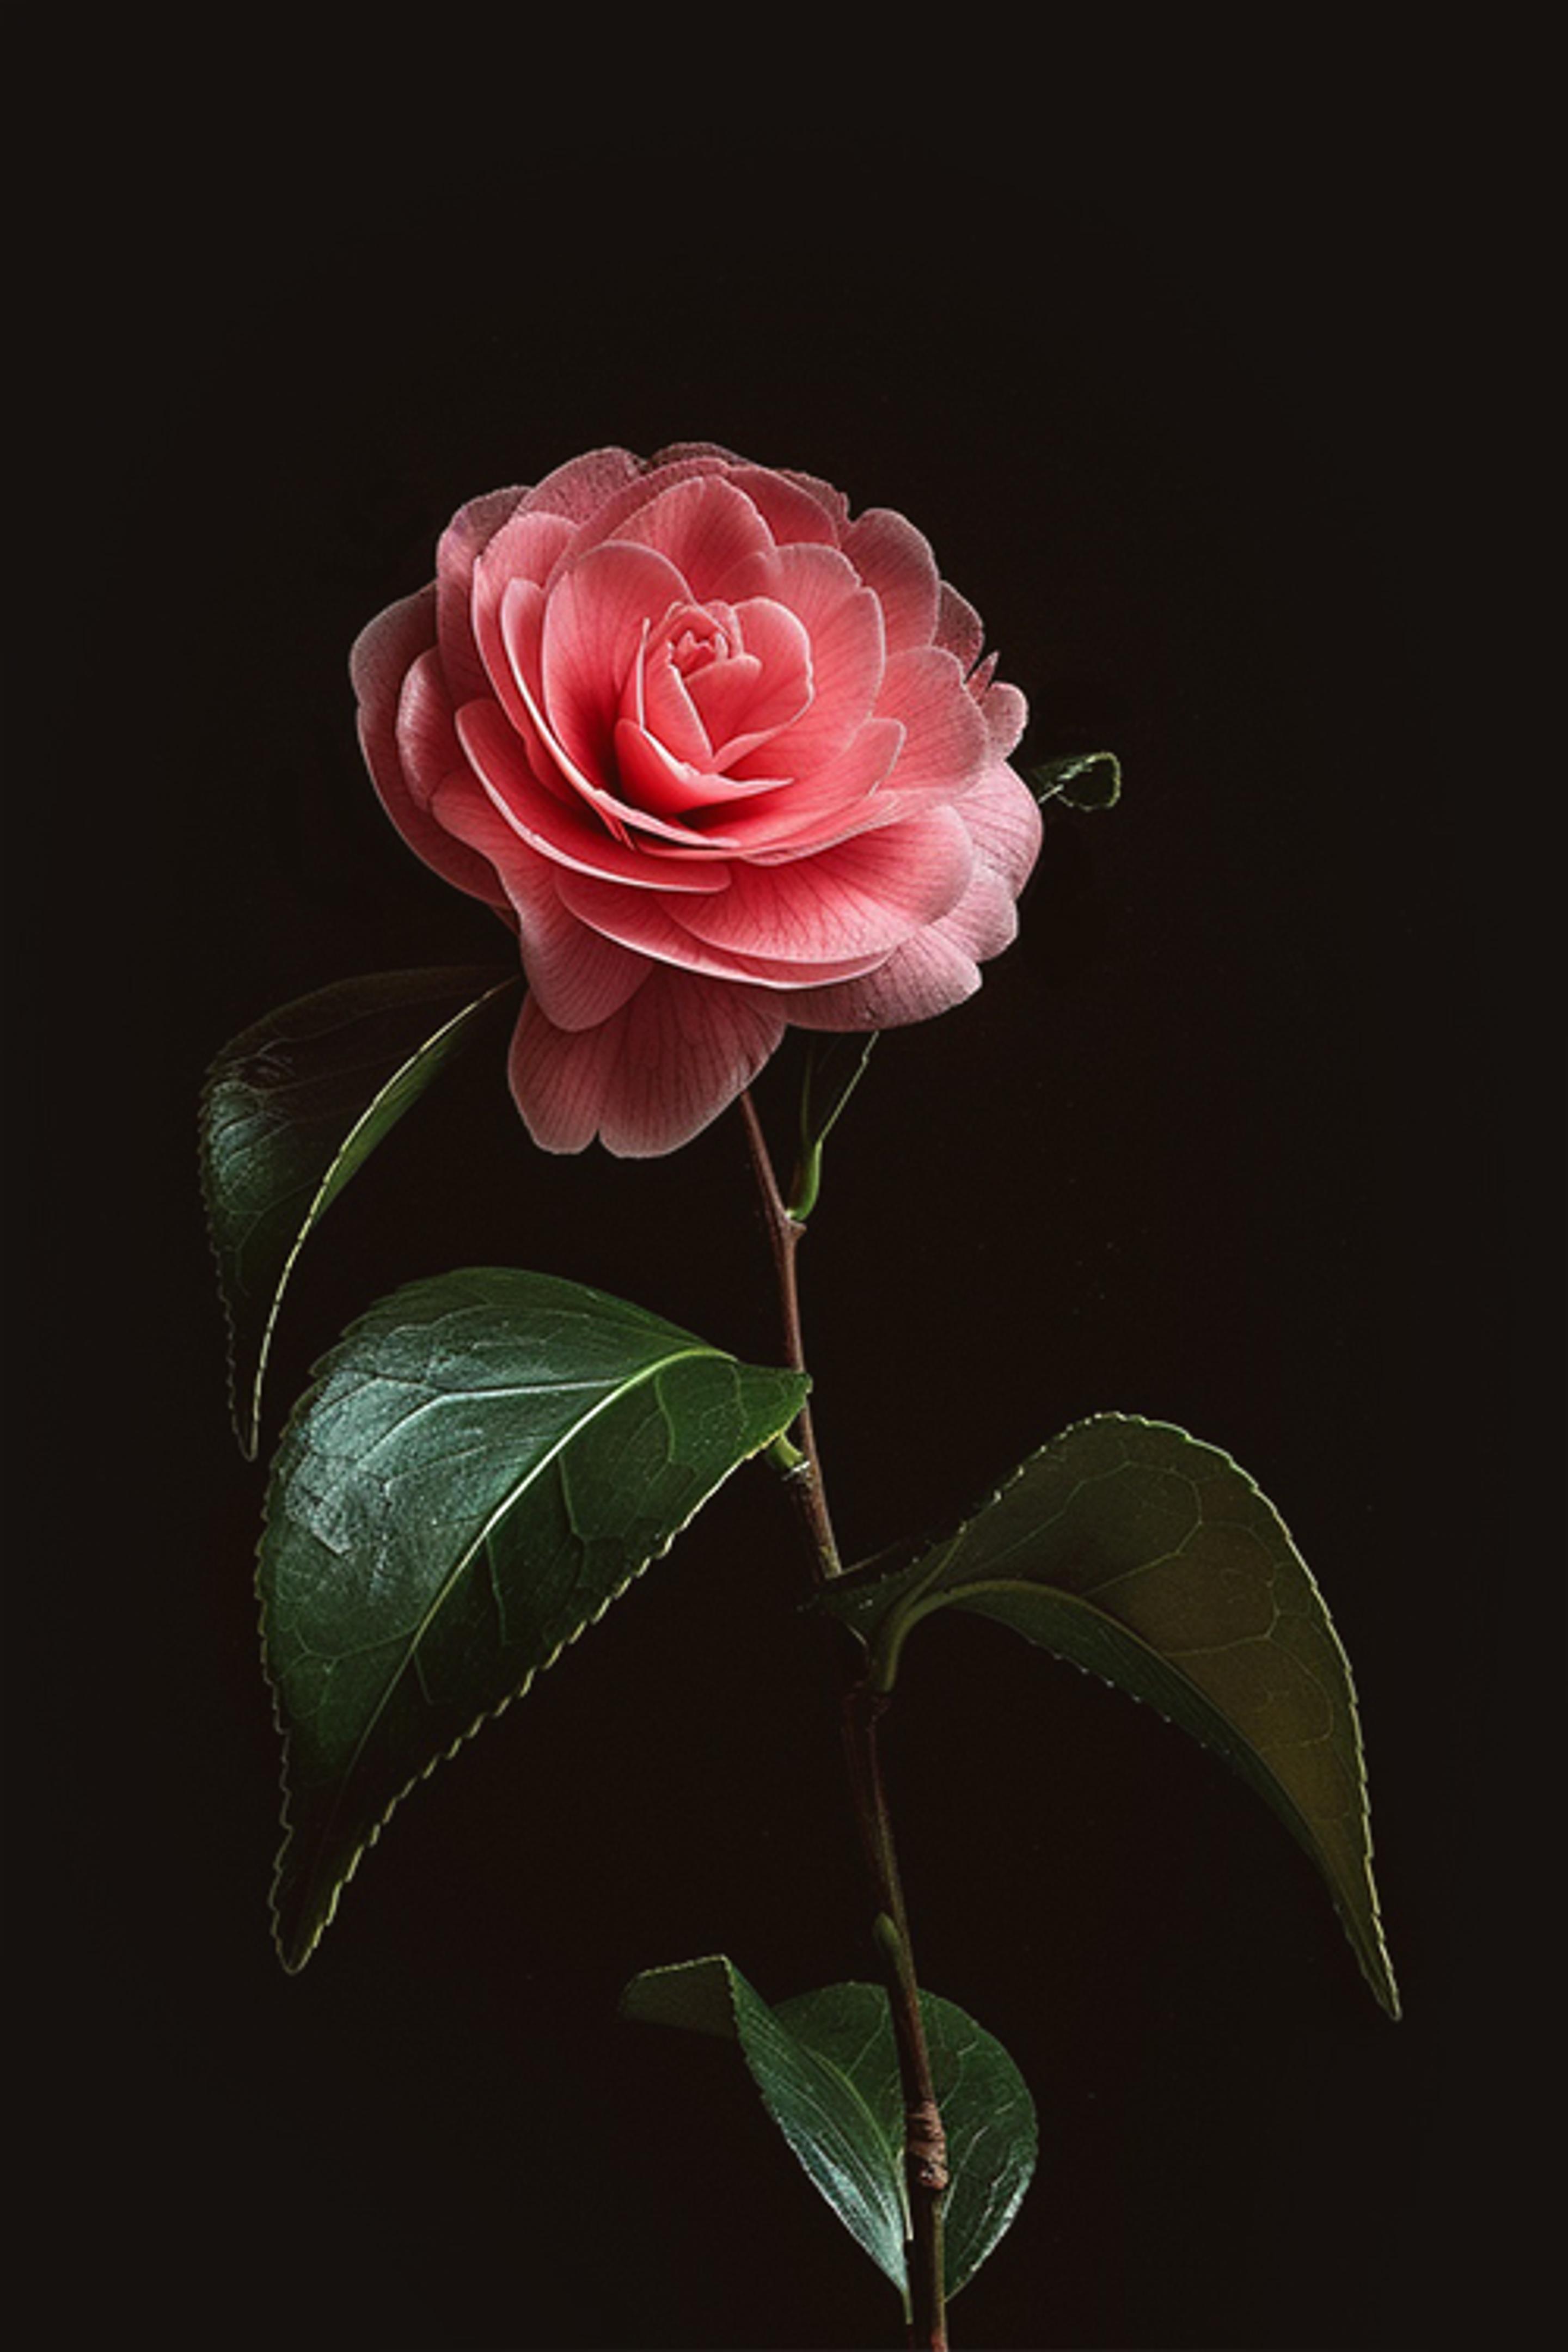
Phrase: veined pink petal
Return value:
(744, 702)
(947, 742)
(649, 484)
(895, 559)
(650, 1077)
(1004, 824)
(848, 663)
(704, 526)
(859, 898)
(647, 925)
(384, 657)
(811, 581)
(593, 627)
(668, 713)
(659, 783)
(841, 797)
(959, 628)
(458, 553)
(516, 561)
(928, 974)
(579, 976)
(570, 834)
(793, 510)
(579, 489)
(986, 919)
(1005, 713)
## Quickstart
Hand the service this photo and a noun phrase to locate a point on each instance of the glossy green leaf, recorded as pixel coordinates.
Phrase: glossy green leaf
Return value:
(828, 2071)
(479, 1468)
(1084, 780)
(1151, 1559)
(291, 1110)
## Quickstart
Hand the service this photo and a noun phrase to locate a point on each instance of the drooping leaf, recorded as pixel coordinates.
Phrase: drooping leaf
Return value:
(1151, 1559)
(291, 1110)
(1084, 780)
(483, 1464)
(827, 2069)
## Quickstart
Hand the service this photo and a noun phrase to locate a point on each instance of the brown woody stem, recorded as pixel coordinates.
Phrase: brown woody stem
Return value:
(925, 2145)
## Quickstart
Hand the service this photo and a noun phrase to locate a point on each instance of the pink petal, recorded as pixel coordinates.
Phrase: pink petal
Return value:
(859, 898)
(568, 833)
(458, 552)
(579, 976)
(840, 798)
(793, 509)
(847, 666)
(1005, 713)
(650, 1078)
(895, 559)
(928, 975)
(580, 487)
(594, 619)
(986, 919)
(609, 520)
(947, 742)
(811, 581)
(669, 714)
(518, 560)
(386, 654)
(959, 628)
(1003, 822)
(647, 926)
(703, 526)
(659, 785)
(743, 702)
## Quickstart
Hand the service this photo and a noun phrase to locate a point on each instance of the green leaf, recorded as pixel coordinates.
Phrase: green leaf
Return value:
(827, 2069)
(835, 1065)
(1085, 780)
(1151, 1559)
(481, 1467)
(291, 1110)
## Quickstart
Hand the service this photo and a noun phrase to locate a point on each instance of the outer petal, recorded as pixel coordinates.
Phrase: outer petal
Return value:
(704, 526)
(1004, 821)
(928, 974)
(385, 655)
(579, 976)
(895, 559)
(860, 897)
(650, 1077)
(460, 546)
(580, 487)
(948, 744)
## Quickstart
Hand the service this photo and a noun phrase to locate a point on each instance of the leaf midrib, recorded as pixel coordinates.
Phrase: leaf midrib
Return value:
(465, 1560)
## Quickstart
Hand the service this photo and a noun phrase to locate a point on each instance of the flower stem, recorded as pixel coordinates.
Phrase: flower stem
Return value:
(863, 1705)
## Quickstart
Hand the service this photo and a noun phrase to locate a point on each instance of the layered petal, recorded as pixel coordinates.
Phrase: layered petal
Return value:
(724, 757)
(650, 1077)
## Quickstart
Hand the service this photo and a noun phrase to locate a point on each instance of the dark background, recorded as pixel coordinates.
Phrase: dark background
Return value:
(1185, 398)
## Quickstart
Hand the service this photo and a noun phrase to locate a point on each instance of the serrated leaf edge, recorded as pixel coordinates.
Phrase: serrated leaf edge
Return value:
(1386, 1992)
(246, 1424)
(293, 1964)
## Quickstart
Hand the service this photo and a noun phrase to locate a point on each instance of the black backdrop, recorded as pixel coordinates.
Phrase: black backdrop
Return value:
(1216, 1143)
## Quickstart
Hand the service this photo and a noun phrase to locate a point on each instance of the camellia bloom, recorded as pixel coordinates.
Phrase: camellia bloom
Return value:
(724, 758)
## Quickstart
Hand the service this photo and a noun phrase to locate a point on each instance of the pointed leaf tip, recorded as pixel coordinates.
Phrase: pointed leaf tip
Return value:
(482, 1466)
(291, 1110)
(827, 2069)
(1151, 1559)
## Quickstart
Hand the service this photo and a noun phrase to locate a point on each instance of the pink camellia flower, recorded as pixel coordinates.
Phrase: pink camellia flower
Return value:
(724, 758)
